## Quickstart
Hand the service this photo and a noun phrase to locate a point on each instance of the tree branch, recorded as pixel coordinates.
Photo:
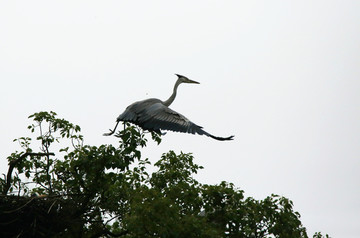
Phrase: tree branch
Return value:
(12, 165)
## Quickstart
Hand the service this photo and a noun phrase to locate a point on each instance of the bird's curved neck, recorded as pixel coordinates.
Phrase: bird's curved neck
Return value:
(173, 95)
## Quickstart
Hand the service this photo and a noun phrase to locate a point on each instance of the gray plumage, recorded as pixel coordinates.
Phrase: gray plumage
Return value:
(155, 115)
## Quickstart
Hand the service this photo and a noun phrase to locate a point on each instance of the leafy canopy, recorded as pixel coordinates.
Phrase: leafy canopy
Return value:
(60, 187)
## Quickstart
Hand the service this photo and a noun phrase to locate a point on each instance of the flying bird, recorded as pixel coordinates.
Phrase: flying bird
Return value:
(155, 115)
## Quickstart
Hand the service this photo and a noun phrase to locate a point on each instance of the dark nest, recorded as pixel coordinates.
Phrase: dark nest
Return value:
(37, 216)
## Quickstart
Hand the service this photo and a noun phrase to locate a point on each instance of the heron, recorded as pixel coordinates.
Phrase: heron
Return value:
(155, 115)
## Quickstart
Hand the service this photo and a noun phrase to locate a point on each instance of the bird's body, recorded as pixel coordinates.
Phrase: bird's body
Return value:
(155, 115)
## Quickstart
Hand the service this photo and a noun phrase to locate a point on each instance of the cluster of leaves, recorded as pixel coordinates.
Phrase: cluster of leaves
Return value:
(105, 191)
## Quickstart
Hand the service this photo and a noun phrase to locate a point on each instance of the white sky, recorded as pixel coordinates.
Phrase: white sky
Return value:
(282, 76)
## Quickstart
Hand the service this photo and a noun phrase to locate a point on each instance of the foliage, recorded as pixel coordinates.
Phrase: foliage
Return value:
(105, 191)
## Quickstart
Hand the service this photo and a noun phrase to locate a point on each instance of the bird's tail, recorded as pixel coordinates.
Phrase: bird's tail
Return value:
(202, 132)
(220, 138)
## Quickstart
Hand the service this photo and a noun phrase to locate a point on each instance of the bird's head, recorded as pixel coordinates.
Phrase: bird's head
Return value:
(184, 79)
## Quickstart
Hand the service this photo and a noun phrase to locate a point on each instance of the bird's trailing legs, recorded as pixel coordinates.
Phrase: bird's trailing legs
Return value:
(117, 123)
(112, 131)
(159, 132)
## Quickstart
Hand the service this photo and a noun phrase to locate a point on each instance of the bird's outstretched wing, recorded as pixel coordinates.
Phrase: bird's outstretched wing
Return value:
(159, 117)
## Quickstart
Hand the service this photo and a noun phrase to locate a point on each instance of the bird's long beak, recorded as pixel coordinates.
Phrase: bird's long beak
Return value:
(192, 81)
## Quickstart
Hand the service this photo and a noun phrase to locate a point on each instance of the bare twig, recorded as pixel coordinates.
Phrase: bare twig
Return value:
(19, 208)
(51, 206)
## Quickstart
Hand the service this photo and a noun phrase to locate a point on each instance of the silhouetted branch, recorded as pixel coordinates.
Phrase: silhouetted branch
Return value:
(14, 163)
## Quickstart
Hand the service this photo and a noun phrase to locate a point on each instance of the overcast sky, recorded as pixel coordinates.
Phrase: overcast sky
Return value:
(282, 76)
